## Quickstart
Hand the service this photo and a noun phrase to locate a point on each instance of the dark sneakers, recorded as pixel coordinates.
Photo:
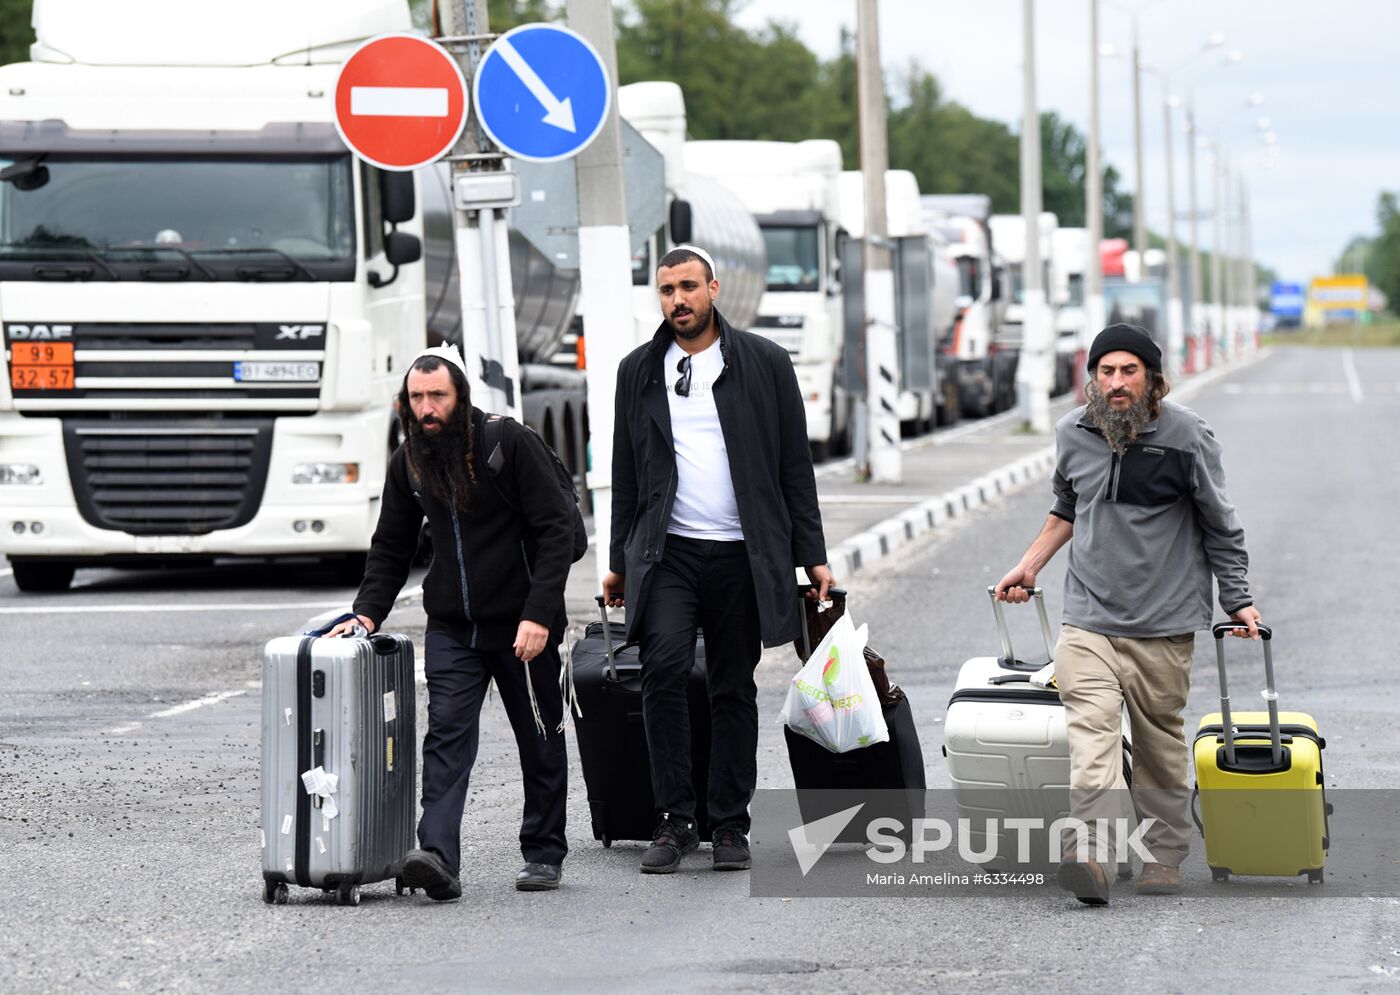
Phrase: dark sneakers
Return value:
(731, 850)
(425, 869)
(538, 877)
(674, 838)
(1086, 879)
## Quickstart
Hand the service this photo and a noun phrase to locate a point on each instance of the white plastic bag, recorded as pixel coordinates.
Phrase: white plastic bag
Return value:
(832, 699)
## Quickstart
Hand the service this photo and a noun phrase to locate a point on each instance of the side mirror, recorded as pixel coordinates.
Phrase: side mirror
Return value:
(401, 248)
(396, 197)
(996, 286)
(681, 222)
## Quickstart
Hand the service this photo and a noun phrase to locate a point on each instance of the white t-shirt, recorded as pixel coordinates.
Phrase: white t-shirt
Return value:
(705, 507)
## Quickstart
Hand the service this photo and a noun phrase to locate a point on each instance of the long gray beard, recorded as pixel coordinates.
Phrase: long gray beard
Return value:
(1118, 427)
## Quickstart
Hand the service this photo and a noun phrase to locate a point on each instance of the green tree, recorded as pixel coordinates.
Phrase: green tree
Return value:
(951, 150)
(15, 33)
(1383, 259)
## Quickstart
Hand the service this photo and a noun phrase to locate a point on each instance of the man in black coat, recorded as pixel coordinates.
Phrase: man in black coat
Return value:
(714, 506)
(502, 532)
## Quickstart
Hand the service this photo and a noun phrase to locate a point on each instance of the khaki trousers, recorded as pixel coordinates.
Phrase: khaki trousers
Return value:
(1097, 676)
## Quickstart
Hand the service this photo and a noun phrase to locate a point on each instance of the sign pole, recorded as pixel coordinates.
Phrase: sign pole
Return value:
(481, 187)
(604, 253)
(881, 332)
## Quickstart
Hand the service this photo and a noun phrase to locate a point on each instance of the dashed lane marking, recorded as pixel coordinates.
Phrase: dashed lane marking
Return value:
(1353, 381)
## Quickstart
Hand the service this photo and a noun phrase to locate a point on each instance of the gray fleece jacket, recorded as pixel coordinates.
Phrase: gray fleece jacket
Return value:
(1150, 528)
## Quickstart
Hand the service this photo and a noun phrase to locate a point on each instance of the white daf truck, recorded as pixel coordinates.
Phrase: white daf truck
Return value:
(207, 303)
(792, 189)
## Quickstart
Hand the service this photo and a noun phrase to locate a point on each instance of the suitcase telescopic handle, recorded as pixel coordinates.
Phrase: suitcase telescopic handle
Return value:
(1269, 694)
(607, 636)
(1038, 594)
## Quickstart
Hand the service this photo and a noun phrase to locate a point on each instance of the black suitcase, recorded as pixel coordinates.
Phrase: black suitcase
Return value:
(612, 741)
(894, 766)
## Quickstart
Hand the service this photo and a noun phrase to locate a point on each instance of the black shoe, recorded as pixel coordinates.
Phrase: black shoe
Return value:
(425, 869)
(731, 850)
(1086, 879)
(674, 838)
(538, 877)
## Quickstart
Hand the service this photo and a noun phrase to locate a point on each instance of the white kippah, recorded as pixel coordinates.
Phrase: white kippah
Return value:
(699, 252)
(447, 353)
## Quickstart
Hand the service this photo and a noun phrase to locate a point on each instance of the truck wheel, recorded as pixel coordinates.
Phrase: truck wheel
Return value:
(38, 576)
(950, 409)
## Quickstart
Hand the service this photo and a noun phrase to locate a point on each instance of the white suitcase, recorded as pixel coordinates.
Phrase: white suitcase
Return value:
(1004, 737)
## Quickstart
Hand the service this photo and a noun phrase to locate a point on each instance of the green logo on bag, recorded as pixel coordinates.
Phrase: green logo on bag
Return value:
(832, 670)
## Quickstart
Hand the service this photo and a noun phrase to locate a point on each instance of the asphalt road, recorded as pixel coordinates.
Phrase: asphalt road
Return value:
(129, 814)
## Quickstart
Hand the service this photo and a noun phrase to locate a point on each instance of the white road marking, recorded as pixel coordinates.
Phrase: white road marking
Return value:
(6, 572)
(1353, 381)
(88, 609)
(91, 609)
(218, 696)
(398, 101)
(190, 706)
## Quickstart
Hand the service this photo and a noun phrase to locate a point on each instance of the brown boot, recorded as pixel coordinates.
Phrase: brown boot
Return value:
(1158, 879)
(1086, 879)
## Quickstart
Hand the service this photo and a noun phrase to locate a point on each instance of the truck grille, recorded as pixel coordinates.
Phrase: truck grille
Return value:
(163, 479)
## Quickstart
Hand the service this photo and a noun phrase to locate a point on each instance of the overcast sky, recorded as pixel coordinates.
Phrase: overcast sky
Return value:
(1329, 74)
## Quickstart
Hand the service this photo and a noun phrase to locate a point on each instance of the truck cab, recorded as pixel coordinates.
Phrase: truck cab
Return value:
(226, 300)
(791, 188)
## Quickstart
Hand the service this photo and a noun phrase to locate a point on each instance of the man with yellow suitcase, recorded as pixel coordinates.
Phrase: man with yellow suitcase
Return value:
(1140, 498)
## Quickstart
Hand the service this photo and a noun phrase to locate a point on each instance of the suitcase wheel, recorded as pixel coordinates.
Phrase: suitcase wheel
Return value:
(1219, 874)
(1315, 877)
(274, 893)
(348, 894)
(607, 842)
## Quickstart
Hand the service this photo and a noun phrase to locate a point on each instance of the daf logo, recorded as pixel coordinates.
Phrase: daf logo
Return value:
(39, 333)
(1015, 713)
(300, 332)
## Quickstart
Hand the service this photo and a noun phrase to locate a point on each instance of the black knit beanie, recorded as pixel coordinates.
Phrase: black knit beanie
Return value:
(1129, 338)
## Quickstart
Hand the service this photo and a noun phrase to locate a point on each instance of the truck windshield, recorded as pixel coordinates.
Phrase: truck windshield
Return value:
(217, 218)
(1018, 285)
(970, 277)
(1076, 290)
(794, 261)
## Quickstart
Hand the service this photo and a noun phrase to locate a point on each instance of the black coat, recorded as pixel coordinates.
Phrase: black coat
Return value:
(496, 565)
(765, 433)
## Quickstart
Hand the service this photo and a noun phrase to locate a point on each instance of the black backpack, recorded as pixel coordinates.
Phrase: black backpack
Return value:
(492, 433)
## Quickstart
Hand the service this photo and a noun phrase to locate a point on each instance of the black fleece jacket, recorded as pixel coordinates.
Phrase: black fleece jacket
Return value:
(512, 565)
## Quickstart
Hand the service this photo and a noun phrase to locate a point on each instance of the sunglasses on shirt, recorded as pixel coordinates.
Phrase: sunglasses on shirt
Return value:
(683, 384)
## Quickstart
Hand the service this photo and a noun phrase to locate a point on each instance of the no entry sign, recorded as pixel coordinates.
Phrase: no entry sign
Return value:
(400, 101)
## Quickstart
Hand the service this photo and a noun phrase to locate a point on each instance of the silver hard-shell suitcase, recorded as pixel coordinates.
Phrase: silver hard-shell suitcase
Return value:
(339, 758)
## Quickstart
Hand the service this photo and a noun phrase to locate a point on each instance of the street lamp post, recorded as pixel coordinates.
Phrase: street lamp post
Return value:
(1035, 368)
(1093, 206)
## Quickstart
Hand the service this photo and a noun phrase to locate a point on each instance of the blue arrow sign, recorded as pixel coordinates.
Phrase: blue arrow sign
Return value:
(541, 92)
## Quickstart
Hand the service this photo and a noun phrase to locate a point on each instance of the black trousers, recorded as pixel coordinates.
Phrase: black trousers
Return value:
(457, 680)
(704, 584)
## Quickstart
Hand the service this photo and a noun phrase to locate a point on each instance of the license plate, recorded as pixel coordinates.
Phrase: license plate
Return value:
(277, 372)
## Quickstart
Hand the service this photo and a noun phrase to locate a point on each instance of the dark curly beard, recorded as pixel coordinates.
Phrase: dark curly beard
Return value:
(441, 458)
(1118, 427)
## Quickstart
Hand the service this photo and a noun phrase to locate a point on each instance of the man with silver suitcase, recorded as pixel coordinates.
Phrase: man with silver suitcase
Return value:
(1140, 499)
(503, 539)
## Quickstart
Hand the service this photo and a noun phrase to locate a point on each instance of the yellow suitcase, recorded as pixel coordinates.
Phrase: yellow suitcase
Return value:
(1259, 779)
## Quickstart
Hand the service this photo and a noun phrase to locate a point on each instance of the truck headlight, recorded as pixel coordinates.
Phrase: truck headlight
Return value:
(326, 473)
(20, 473)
